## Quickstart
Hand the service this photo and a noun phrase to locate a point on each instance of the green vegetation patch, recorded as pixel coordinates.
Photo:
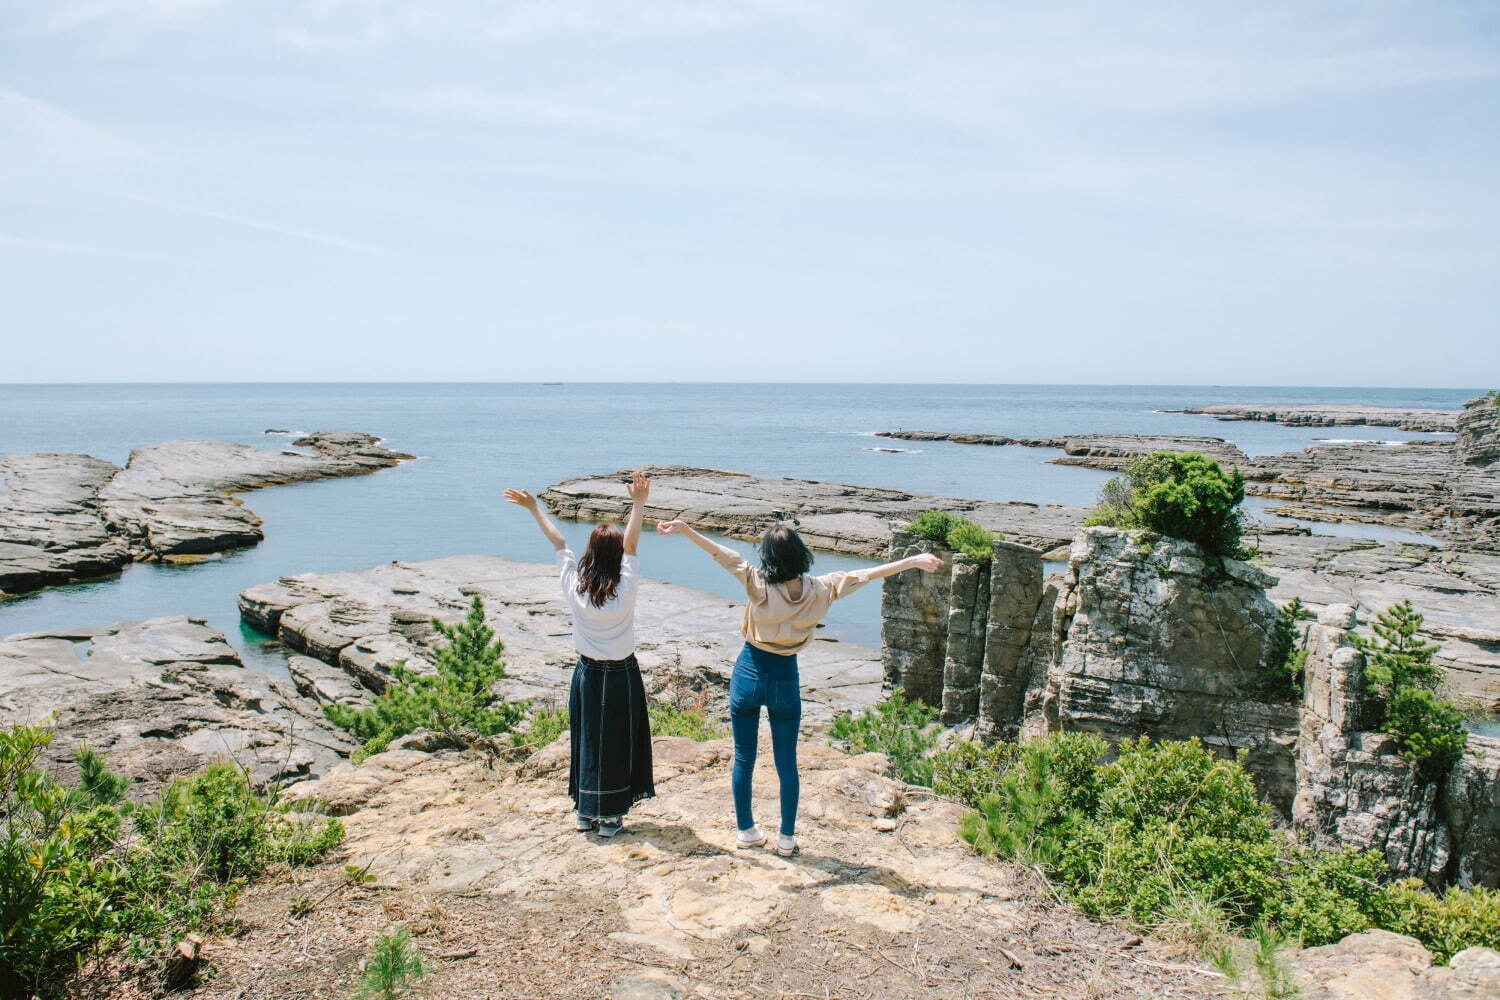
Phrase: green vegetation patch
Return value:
(84, 872)
(1428, 729)
(905, 731)
(670, 720)
(1179, 494)
(457, 698)
(957, 533)
(1168, 835)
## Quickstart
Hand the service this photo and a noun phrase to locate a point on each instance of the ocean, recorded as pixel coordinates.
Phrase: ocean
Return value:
(475, 439)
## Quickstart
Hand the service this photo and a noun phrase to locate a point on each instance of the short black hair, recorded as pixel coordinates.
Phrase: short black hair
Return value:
(784, 555)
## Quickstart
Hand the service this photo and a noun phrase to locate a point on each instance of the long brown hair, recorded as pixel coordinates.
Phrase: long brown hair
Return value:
(599, 569)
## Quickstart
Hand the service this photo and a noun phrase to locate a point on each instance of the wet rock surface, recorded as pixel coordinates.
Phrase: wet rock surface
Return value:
(72, 517)
(362, 623)
(161, 698)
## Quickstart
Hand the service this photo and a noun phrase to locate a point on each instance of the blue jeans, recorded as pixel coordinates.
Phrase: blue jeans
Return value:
(762, 678)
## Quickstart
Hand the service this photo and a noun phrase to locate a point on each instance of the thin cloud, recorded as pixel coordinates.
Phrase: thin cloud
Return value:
(292, 232)
(59, 246)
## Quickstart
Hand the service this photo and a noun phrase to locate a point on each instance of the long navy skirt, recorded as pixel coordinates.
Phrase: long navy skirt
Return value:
(611, 737)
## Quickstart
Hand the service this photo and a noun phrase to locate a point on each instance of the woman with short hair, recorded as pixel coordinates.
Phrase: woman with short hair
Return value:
(783, 609)
(610, 727)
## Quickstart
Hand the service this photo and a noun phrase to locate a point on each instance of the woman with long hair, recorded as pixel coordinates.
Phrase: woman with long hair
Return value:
(783, 609)
(608, 719)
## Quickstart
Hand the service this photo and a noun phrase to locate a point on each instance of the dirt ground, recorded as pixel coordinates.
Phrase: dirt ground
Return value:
(505, 900)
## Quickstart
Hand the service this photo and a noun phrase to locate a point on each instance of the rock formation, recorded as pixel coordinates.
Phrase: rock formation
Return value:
(1145, 636)
(1379, 965)
(835, 516)
(1334, 415)
(359, 624)
(1354, 789)
(1096, 451)
(1479, 432)
(161, 698)
(1457, 590)
(71, 517)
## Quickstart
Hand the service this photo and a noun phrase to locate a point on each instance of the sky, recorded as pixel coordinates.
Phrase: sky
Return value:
(1284, 192)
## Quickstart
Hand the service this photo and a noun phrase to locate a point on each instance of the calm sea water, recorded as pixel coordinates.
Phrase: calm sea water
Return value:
(476, 439)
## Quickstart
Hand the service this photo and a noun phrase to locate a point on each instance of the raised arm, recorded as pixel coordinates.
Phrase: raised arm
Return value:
(523, 498)
(926, 562)
(708, 545)
(639, 489)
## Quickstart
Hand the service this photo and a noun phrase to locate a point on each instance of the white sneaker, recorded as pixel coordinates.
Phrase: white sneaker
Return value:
(786, 846)
(583, 824)
(750, 838)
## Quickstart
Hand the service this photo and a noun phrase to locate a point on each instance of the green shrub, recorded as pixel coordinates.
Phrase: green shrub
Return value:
(669, 720)
(1028, 818)
(83, 871)
(934, 525)
(1493, 396)
(1447, 924)
(1286, 660)
(1183, 495)
(1326, 895)
(457, 698)
(1172, 817)
(957, 533)
(966, 771)
(546, 725)
(395, 968)
(1399, 666)
(902, 730)
(1169, 835)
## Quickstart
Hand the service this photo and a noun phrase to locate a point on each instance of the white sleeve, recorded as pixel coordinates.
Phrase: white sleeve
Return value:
(567, 570)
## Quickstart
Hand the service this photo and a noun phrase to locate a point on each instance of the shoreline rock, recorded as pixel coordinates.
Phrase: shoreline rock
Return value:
(65, 518)
(1458, 591)
(1109, 452)
(836, 517)
(161, 698)
(1334, 415)
(362, 623)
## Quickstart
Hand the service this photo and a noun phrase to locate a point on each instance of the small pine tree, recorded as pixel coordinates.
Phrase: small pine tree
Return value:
(1399, 665)
(457, 698)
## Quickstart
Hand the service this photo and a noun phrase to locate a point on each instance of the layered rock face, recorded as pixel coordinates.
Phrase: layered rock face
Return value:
(1457, 590)
(1479, 433)
(1355, 789)
(161, 698)
(71, 517)
(1144, 636)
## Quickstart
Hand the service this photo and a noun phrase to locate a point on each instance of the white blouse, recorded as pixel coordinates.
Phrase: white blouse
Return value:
(606, 633)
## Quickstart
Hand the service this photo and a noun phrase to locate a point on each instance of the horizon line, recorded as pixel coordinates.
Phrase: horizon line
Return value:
(809, 382)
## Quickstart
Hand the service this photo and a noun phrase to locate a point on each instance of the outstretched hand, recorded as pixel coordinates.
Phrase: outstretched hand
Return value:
(671, 527)
(639, 487)
(928, 563)
(521, 498)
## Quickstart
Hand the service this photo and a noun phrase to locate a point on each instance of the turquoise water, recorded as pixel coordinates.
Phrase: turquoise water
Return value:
(476, 439)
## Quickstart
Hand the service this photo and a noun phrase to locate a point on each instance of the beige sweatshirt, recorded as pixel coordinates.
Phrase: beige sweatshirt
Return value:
(773, 621)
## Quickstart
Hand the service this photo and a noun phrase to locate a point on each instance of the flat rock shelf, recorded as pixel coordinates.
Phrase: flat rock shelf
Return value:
(360, 624)
(71, 517)
(1458, 590)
